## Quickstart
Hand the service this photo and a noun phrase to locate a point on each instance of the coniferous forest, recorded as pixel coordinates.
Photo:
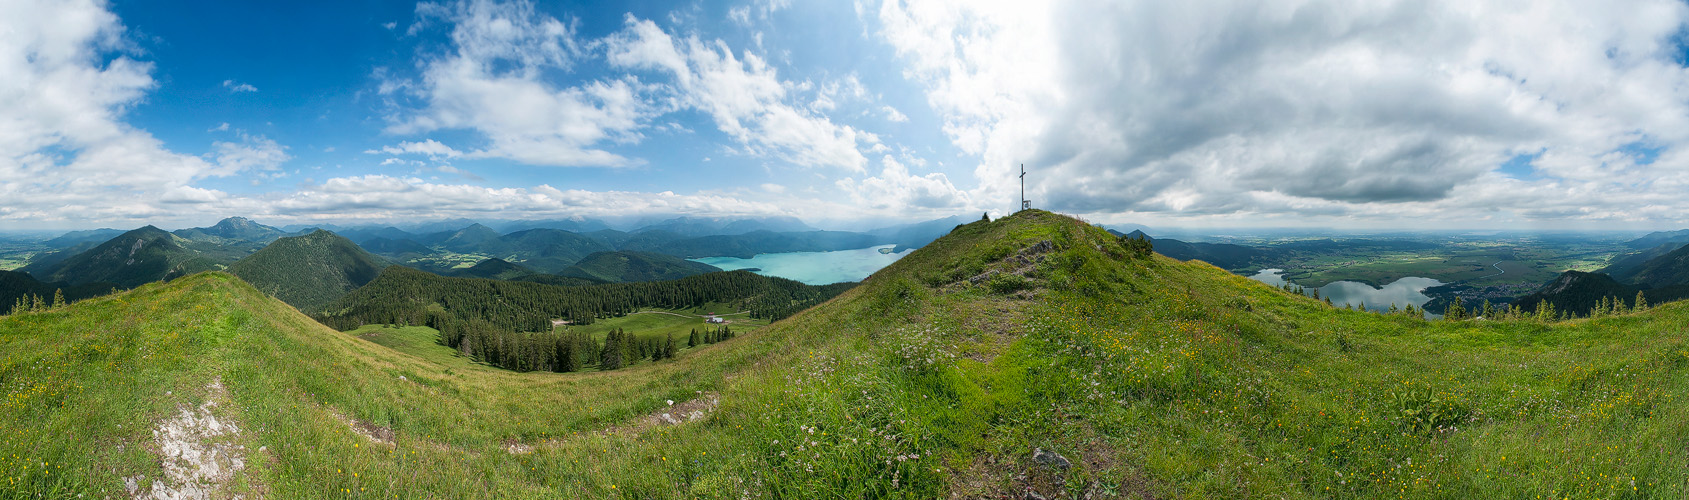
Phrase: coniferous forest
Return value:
(508, 323)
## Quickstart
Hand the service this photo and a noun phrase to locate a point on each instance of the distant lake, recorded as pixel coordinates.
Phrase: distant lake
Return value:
(1405, 291)
(814, 268)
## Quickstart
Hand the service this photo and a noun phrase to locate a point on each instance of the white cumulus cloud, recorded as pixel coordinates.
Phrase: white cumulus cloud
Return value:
(382, 197)
(1383, 110)
(896, 191)
(66, 80)
(742, 93)
(492, 80)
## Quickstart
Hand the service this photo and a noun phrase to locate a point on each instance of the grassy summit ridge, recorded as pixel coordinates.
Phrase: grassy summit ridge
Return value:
(939, 376)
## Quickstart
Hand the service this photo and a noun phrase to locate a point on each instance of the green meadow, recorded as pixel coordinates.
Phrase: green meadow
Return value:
(942, 375)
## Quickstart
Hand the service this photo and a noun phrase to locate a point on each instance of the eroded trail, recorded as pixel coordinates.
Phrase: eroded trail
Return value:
(199, 451)
(674, 413)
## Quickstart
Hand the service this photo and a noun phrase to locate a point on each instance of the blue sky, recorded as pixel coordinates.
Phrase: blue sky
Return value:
(1470, 114)
(309, 76)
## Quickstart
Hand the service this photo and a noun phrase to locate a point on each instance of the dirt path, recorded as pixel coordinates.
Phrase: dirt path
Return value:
(674, 413)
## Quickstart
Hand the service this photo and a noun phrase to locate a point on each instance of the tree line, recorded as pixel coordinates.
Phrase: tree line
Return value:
(1543, 311)
(402, 295)
(565, 351)
(509, 323)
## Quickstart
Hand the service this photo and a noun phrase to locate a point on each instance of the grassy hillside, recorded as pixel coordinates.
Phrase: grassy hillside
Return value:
(309, 271)
(1029, 353)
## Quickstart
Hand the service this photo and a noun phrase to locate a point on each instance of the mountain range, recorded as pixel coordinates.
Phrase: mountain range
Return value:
(1222, 255)
(133, 258)
(309, 266)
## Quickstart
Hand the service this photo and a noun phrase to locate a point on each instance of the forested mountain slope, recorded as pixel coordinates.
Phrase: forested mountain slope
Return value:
(309, 271)
(1669, 269)
(404, 295)
(136, 257)
(630, 266)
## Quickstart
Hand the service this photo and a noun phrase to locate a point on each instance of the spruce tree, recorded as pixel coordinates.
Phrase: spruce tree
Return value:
(58, 298)
(1455, 310)
(567, 359)
(1641, 302)
(694, 339)
(611, 359)
(669, 347)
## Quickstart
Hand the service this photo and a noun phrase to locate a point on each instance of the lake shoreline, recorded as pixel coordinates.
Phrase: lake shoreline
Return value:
(813, 268)
(1401, 293)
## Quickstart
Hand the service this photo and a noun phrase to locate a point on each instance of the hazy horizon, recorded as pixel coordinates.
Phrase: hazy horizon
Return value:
(631, 223)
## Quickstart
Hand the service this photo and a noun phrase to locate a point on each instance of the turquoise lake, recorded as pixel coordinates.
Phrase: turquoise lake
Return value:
(814, 268)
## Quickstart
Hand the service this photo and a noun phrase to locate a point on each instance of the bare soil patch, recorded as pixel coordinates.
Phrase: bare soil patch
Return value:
(678, 413)
(375, 433)
(675, 413)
